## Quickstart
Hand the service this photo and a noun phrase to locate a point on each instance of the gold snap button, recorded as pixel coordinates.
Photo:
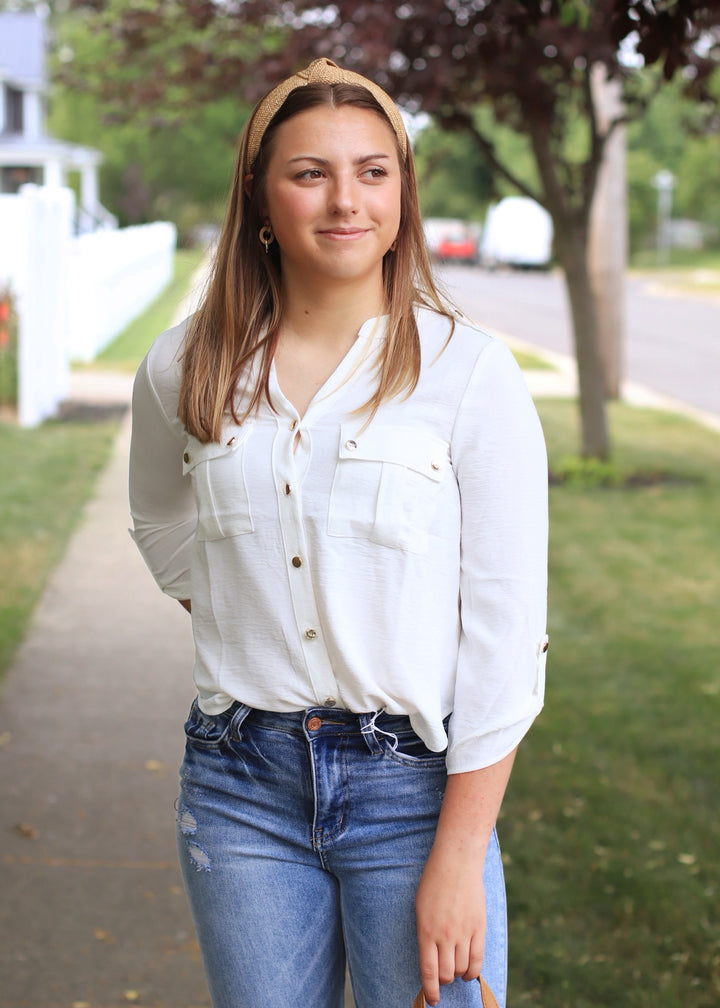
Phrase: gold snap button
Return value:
(330, 702)
(311, 634)
(351, 445)
(314, 723)
(545, 646)
(296, 562)
(293, 424)
(186, 457)
(287, 489)
(435, 466)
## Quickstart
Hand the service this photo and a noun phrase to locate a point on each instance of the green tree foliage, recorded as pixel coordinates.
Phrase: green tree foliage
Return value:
(179, 171)
(528, 65)
(168, 148)
(151, 59)
(453, 177)
(675, 134)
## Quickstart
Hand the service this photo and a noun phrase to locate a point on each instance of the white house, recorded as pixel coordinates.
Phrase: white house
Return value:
(77, 278)
(27, 153)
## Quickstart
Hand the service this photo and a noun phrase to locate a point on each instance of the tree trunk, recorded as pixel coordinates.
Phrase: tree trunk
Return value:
(572, 253)
(607, 248)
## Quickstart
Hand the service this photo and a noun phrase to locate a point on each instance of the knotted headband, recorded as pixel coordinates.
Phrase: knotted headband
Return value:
(320, 71)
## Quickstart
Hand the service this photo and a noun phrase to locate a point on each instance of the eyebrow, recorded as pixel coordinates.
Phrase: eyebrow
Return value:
(324, 161)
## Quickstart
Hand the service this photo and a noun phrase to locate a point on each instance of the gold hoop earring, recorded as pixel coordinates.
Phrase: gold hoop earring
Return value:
(267, 236)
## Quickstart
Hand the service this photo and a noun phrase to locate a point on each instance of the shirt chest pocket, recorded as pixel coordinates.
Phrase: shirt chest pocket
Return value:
(218, 477)
(387, 485)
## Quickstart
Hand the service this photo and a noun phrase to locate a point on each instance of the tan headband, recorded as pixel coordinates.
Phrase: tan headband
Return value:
(320, 71)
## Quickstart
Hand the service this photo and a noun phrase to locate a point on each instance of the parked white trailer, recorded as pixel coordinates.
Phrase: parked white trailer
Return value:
(518, 232)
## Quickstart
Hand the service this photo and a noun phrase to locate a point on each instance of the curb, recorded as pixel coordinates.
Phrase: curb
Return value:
(562, 382)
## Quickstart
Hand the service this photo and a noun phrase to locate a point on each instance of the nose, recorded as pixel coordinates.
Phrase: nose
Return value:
(342, 196)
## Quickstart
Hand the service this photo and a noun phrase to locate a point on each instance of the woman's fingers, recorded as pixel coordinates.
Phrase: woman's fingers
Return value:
(441, 964)
(447, 964)
(475, 958)
(429, 971)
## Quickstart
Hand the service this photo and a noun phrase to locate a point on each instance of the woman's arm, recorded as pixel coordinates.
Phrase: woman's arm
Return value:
(499, 460)
(450, 901)
(500, 464)
(161, 498)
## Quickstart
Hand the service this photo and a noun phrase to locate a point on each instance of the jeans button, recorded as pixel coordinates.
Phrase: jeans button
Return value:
(314, 724)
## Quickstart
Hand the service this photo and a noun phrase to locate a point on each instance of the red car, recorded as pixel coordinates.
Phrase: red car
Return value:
(457, 248)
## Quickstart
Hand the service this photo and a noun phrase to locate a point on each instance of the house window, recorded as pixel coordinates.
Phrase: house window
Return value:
(11, 178)
(13, 110)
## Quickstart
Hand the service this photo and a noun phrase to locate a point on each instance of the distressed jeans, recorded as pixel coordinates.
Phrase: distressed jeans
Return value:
(302, 838)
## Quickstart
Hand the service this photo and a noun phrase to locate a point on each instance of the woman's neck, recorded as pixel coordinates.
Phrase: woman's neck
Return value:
(317, 330)
(329, 313)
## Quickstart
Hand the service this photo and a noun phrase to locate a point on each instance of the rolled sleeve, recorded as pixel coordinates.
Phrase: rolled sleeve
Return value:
(500, 463)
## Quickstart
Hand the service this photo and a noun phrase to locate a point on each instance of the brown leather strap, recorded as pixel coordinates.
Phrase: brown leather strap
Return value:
(488, 998)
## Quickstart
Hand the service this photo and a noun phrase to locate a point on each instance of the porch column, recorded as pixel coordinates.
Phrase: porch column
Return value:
(54, 174)
(89, 189)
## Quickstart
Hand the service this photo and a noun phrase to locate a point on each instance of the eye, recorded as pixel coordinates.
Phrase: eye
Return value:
(309, 175)
(375, 172)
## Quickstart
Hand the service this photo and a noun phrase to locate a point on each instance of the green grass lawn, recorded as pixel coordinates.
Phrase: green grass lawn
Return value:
(530, 361)
(611, 826)
(48, 473)
(686, 271)
(126, 352)
(689, 259)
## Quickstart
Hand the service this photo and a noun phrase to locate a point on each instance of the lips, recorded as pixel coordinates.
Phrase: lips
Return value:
(342, 234)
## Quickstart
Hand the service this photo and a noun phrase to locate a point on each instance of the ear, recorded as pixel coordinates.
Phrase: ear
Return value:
(247, 185)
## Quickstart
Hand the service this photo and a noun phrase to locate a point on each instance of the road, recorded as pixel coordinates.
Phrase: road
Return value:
(673, 339)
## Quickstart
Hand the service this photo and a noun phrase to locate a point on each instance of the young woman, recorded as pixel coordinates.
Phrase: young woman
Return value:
(346, 483)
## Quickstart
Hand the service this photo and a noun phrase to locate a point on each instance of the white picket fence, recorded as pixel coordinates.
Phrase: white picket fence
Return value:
(74, 294)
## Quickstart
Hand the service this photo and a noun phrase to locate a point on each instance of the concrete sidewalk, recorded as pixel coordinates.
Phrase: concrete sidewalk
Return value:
(92, 911)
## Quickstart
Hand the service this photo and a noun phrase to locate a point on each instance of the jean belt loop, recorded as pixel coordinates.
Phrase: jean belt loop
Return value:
(367, 730)
(370, 731)
(239, 715)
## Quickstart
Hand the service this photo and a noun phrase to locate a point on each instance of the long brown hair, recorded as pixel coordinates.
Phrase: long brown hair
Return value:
(241, 310)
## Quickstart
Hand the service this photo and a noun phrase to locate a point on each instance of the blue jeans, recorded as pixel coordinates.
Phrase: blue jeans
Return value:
(302, 839)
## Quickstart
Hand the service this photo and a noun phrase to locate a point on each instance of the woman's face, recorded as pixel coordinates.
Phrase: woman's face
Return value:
(332, 194)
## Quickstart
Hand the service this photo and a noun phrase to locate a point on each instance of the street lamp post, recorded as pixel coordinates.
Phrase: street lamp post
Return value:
(664, 182)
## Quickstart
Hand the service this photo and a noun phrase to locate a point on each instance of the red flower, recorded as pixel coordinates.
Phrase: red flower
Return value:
(4, 311)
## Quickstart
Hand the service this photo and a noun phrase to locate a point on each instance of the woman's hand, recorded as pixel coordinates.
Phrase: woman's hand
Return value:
(450, 900)
(450, 911)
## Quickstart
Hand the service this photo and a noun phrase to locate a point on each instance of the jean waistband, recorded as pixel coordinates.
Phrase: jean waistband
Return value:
(315, 721)
(337, 717)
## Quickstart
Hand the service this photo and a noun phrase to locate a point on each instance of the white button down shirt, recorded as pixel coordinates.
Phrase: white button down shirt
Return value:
(399, 565)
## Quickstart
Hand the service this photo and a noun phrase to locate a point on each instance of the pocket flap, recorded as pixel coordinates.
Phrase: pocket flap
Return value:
(203, 451)
(405, 446)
